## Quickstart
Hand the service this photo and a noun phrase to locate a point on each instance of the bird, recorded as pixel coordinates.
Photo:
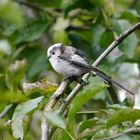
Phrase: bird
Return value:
(71, 62)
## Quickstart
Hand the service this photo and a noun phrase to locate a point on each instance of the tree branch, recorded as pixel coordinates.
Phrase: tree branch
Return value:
(31, 5)
(53, 100)
(112, 46)
(77, 28)
(128, 131)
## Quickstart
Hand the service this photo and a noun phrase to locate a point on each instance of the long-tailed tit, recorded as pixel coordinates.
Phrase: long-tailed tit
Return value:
(69, 61)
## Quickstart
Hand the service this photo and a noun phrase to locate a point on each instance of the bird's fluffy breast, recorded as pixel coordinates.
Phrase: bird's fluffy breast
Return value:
(64, 67)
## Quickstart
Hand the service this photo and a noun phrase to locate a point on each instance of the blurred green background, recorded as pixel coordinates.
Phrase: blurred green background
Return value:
(29, 27)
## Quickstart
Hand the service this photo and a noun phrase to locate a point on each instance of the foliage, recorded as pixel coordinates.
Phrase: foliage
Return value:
(19, 114)
(28, 28)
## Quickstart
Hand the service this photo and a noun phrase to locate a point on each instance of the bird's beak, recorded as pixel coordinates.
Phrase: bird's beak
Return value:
(49, 57)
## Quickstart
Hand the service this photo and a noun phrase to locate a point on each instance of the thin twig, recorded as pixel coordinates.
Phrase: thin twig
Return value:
(128, 131)
(34, 6)
(31, 5)
(112, 46)
(44, 128)
(6, 109)
(75, 28)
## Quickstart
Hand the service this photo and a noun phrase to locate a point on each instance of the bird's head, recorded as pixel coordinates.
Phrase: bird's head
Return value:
(55, 50)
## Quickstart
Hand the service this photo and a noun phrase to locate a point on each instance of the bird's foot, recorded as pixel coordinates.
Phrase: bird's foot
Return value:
(82, 82)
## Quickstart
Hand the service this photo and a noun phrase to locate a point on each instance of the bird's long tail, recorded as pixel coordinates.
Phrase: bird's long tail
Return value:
(99, 73)
(108, 79)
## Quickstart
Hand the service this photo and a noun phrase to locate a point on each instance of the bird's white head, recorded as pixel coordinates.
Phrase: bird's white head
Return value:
(55, 50)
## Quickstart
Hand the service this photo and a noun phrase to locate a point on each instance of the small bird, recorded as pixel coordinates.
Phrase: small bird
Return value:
(71, 62)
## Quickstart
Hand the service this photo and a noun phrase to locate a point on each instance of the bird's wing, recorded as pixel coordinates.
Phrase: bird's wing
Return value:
(81, 54)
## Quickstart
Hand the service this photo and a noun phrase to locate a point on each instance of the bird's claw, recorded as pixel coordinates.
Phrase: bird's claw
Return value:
(82, 82)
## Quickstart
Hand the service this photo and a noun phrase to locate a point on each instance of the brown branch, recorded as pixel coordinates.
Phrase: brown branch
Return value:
(53, 100)
(34, 6)
(31, 5)
(75, 28)
(111, 47)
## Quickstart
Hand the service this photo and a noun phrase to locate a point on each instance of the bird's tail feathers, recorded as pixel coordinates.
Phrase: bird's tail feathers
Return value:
(108, 79)
(94, 70)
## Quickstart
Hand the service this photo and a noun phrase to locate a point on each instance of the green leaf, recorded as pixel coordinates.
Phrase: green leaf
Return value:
(11, 12)
(52, 3)
(16, 73)
(130, 15)
(123, 58)
(55, 119)
(29, 33)
(61, 36)
(80, 43)
(82, 98)
(38, 64)
(122, 116)
(106, 38)
(128, 46)
(12, 96)
(87, 124)
(18, 116)
(61, 135)
(136, 5)
(42, 86)
(36, 61)
(79, 4)
(98, 30)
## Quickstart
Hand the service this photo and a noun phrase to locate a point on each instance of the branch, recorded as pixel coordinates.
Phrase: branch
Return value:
(31, 5)
(128, 131)
(116, 42)
(111, 47)
(53, 100)
(77, 28)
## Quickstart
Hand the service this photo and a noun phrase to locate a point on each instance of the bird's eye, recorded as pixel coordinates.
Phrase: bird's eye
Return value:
(53, 53)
